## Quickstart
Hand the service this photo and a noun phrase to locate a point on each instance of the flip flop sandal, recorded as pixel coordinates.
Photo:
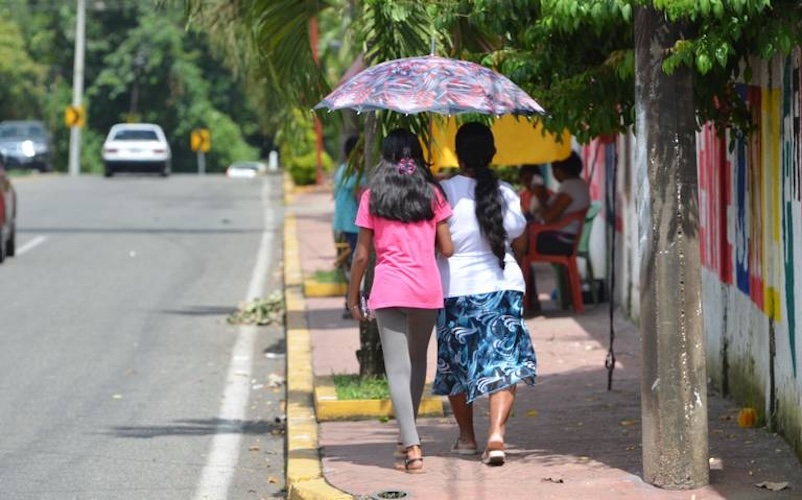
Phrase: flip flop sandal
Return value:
(409, 464)
(463, 450)
(409, 468)
(494, 457)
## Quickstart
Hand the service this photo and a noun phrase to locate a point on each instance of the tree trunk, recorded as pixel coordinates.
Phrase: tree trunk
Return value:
(370, 355)
(673, 383)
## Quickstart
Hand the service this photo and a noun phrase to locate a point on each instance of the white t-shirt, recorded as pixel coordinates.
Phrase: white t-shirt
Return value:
(578, 190)
(473, 268)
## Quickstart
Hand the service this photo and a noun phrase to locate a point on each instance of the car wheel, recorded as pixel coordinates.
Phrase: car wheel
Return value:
(11, 244)
(165, 170)
(108, 172)
(2, 249)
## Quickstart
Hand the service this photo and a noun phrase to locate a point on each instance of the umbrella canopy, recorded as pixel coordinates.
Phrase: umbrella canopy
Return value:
(431, 84)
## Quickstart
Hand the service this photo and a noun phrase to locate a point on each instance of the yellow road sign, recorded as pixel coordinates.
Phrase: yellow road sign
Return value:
(74, 116)
(200, 140)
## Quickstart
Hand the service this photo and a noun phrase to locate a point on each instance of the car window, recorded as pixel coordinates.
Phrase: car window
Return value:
(136, 135)
(10, 131)
(34, 131)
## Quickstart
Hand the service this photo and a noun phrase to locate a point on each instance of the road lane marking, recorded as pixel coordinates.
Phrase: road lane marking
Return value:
(30, 245)
(221, 461)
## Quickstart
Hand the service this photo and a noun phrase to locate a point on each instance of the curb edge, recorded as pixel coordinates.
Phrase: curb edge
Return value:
(304, 474)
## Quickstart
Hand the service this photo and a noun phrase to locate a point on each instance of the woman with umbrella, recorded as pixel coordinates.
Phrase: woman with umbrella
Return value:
(402, 216)
(483, 343)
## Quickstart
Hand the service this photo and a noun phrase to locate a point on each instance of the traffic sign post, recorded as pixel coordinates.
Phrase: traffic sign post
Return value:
(200, 140)
(74, 164)
(74, 116)
(201, 163)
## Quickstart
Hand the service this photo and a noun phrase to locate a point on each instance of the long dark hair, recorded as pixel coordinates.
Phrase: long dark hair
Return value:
(401, 187)
(475, 149)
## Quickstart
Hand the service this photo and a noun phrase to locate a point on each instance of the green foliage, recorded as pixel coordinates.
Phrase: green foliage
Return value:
(391, 30)
(92, 144)
(297, 148)
(131, 47)
(21, 77)
(349, 387)
(329, 276)
(576, 56)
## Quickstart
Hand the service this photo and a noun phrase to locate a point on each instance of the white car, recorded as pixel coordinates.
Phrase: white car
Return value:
(246, 169)
(136, 147)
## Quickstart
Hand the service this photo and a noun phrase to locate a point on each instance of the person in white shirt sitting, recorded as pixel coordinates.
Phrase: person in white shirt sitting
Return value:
(573, 195)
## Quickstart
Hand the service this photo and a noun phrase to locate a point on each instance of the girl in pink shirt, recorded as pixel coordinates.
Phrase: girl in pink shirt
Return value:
(403, 215)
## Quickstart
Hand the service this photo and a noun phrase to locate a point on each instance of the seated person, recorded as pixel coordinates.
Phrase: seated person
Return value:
(533, 190)
(572, 196)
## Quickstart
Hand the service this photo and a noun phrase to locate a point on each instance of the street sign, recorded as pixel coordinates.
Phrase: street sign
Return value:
(200, 140)
(74, 116)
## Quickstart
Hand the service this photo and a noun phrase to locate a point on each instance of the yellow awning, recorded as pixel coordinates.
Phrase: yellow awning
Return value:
(518, 141)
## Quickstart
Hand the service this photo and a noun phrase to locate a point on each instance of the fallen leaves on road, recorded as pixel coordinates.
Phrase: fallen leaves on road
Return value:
(264, 311)
(772, 486)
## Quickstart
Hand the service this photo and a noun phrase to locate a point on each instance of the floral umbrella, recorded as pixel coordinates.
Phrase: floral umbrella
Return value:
(431, 84)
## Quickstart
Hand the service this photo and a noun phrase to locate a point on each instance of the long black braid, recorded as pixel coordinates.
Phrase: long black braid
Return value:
(475, 149)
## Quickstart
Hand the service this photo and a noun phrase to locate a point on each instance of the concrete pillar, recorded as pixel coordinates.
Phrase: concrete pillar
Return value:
(673, 392)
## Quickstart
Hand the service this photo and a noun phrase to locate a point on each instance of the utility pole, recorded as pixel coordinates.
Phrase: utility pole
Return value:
(77, 87)
(673, 374)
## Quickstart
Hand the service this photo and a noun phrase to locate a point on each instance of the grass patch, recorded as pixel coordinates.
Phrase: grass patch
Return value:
(329, 276)
(354, 387)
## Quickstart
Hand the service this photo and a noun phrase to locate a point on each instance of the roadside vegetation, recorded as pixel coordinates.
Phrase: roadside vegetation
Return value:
(143, 63)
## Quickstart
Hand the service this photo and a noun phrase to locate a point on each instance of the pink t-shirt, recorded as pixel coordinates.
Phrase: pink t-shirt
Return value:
(406, 272)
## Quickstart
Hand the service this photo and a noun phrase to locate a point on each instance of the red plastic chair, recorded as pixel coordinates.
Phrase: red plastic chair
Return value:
(568, 261)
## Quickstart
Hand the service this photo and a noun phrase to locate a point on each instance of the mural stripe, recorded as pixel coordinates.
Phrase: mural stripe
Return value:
(772, 274)
(754, 191)
(741, 198)
(790, 143)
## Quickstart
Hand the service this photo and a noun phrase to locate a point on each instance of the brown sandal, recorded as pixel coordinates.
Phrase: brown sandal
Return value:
(413, 465)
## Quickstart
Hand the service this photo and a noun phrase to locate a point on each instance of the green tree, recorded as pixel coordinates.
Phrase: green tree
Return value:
(134, 51)
(159, 63)
(21, 77)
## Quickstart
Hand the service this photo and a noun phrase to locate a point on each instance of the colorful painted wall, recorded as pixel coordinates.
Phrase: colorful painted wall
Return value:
(750, 210)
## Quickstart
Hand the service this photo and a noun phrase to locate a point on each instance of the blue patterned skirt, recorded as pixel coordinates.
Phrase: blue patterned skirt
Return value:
(483, 345)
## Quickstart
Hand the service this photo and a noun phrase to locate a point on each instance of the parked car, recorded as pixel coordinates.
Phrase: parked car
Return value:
(246, 169)
(26, 144)
(136, 147)
(8, 214)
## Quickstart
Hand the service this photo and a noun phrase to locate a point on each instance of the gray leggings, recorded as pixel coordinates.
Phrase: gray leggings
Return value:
(405, 334)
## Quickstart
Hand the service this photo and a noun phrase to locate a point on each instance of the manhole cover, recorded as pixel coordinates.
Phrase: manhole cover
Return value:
(382, 495)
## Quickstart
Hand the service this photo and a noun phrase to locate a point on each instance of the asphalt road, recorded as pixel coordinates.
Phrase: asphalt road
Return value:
(119, 375)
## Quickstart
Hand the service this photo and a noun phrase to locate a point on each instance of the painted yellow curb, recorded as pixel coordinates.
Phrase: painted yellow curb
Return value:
(289, 190)
(305, 480)
(314, 288)
(328, 407)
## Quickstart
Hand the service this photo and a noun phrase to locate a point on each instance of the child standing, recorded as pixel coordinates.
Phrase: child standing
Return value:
(403, 215)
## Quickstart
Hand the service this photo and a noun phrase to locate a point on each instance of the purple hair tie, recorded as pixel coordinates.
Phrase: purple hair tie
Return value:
(406, 166)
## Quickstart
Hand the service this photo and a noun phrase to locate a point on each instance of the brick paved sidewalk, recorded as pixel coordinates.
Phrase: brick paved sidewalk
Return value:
(569, 437)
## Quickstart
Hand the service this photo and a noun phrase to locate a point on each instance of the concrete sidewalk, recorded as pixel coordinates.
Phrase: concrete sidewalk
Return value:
(569, 437)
